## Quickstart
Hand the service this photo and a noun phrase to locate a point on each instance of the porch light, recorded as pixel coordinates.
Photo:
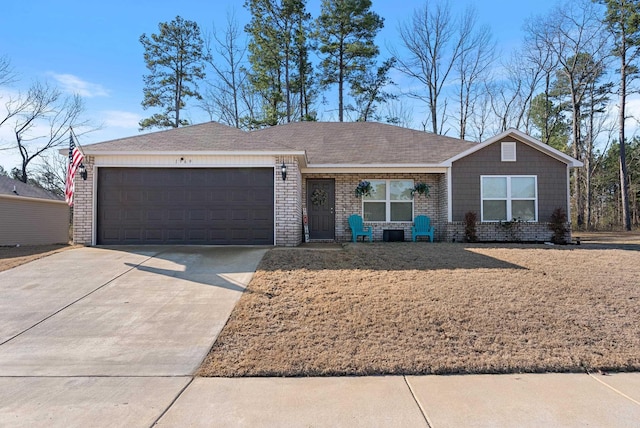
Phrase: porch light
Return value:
(284, 171)
(83, 171)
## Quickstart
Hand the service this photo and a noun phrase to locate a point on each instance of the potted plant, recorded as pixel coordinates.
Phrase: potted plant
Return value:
(364, 188)
(420, 188)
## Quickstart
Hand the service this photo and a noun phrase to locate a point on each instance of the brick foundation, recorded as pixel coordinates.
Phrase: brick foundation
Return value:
(504, 232)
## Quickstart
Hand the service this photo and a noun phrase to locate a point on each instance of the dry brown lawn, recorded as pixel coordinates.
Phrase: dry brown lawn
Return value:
(420, 308)
(11, 257)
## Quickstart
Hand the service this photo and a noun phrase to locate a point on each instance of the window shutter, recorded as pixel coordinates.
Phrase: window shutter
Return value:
(509, 151)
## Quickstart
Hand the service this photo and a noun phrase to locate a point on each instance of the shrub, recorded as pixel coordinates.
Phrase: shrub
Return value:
(470, 219)
(558, 225)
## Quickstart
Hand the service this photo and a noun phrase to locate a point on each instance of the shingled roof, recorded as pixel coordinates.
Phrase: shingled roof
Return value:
(210, 136)
(362, 143)
(325, 143)
(8, 185)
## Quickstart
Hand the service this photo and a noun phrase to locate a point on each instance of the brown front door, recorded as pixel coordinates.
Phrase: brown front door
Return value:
(321, 197)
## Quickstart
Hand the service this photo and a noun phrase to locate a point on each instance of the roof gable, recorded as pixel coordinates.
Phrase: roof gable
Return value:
(523, 138)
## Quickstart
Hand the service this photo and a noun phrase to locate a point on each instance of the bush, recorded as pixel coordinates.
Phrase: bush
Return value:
(470, 219)
(558, 225)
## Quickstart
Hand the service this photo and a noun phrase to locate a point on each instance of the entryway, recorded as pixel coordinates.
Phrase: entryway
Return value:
(321, 195)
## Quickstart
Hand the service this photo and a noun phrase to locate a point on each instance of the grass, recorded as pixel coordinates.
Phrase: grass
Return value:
(14, 256)
(406, 308)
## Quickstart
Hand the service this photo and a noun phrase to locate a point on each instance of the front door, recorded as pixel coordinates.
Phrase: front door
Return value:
(321, 197)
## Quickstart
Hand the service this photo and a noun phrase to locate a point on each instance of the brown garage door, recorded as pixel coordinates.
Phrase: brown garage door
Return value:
(221, 206)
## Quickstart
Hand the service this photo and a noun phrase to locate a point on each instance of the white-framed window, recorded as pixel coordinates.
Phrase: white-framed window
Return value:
(509, 197)
(390, 201)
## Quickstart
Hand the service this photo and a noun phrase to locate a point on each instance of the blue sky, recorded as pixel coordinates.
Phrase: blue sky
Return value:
(93, 48)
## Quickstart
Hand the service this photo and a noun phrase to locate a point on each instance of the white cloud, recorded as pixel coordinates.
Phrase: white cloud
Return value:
(76, 85)
(120, 119)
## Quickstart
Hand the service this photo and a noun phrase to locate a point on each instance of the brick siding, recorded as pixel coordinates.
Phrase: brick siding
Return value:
(288, 203)
(83, 205)
(504, 232)
(347, 203)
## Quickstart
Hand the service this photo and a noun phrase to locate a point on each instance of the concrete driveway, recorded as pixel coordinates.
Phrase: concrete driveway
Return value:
(123, 326)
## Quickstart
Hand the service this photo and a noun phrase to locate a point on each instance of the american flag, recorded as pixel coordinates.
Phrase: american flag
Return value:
(75, 160)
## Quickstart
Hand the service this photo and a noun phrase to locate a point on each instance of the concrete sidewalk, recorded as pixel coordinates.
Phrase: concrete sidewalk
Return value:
(523, 400)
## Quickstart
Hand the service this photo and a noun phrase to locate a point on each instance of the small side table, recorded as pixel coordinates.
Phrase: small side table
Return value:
(393, 235)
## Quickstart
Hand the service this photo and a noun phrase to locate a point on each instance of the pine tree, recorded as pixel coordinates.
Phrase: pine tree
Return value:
(175, 59)
(623, 20)
(278, 53)
(346, 30)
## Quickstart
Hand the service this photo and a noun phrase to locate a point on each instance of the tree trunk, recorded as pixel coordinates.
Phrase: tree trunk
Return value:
(577, 178)
(341, 84)
(624, 182)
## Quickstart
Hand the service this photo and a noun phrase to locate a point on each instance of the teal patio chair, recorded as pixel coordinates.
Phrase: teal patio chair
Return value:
(422, 227)
(358, 229)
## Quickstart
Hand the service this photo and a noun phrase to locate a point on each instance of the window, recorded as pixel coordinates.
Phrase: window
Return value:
(390, 201)
(508, 151)
(505, 198)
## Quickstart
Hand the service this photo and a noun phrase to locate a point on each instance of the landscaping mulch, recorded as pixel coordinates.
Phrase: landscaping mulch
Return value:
(422, 308)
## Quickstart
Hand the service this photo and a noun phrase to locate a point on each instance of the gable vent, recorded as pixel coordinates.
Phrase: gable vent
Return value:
(509, 151)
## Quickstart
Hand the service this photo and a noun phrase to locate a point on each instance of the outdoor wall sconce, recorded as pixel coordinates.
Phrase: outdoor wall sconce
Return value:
(83, 171)
(284, 171)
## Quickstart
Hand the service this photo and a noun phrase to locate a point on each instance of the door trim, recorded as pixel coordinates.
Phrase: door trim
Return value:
(332, 207)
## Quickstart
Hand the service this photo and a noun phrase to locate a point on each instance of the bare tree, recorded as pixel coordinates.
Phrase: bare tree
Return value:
(397, 112)
(41, 120)
(476, 56)
(6, 71)
(50, 173)
(577, 37)
(434, 47)
(226, 54)
(623, 22)
(512, 95)
(479, 123)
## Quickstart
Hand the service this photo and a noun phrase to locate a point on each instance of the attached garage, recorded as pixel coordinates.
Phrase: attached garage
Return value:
(199, 206)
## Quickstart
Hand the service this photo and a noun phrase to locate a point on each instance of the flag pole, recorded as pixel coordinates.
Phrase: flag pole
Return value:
(75, 138)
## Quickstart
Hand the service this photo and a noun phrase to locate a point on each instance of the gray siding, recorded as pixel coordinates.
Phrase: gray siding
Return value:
(33, 221)
(466, 172)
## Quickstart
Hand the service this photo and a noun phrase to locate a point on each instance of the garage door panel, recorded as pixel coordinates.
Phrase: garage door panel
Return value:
(133, 215)
(161, 205)
(242, 215)
(132, 235)
(176, 215)
(112, 215)
(153, 235)
(262, 215)
(198, 215)
(111, 234)
(154, 195)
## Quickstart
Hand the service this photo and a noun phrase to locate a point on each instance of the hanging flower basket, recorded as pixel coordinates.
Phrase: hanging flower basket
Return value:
(421, 189)
(364, 188)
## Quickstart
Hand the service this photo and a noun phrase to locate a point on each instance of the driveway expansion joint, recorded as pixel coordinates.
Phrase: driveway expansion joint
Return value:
(164, 412)
(617, 391)
(415, 399)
